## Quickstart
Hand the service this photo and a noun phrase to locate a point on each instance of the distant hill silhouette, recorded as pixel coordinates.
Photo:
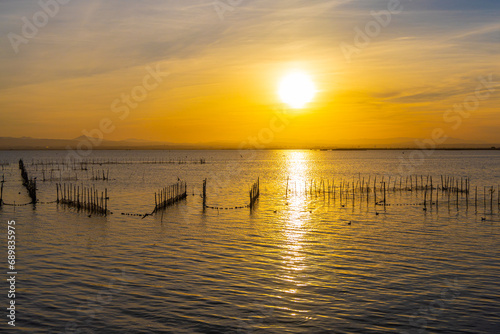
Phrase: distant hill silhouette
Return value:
(28, 143)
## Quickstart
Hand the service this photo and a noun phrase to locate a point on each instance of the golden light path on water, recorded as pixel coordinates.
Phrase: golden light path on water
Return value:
(296, 220)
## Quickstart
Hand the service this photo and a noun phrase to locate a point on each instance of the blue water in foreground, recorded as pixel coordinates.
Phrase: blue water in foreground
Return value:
(300, 263)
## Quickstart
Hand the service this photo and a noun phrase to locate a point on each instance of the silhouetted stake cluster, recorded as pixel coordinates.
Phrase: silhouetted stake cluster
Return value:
(28, 183)
(451, 188)
(170, 195)
(254, 193)
(83, 198)
(99, 175)
(1, 190)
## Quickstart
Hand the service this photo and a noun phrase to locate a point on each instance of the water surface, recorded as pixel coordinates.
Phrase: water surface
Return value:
(300, 263)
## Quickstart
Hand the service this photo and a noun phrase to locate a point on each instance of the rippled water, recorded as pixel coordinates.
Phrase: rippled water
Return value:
(295, 264)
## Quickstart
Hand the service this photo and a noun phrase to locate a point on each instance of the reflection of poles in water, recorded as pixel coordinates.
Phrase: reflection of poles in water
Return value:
(475, 201)
(425, 198)
(385, 202)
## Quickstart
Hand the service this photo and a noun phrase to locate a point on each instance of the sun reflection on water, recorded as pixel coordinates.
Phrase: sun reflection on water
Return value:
(296, 221)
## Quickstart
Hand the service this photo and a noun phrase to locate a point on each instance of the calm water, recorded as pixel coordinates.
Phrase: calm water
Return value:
(292, 265)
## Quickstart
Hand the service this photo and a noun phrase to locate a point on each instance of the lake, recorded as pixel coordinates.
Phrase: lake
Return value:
(305, 259)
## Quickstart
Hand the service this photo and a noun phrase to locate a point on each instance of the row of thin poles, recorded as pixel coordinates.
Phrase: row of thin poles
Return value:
(254, 193)
(100, 175)
(60, 178)
(411, 183)
(452, 188)
(84, 163)
(28, 183)
(83, 198)
(96, 175)
(170, 195)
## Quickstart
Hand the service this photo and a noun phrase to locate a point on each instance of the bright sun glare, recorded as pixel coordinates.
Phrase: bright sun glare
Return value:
(297, 89)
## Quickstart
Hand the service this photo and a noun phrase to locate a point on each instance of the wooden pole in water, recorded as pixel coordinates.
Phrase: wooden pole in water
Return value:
(476, 200)
(431, 193)
(484, 199)
(491, 199)
(329, 190)
(204, 193)
(437, 199)
(287, 178)
(425, 197)
(467, 195)
(333, 189)
(384, 197)
(353, 195)
(449, 194)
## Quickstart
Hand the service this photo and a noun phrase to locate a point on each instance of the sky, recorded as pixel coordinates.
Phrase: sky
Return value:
(207, 71)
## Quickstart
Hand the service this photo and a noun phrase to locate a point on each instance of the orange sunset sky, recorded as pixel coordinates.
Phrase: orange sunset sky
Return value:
(381, 69)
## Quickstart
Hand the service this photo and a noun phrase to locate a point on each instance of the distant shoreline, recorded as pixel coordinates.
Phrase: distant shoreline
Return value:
(264, 149)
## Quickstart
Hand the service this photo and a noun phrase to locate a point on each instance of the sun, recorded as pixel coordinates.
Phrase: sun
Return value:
(297, 89)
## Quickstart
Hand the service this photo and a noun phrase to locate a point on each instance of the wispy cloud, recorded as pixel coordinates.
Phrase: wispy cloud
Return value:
(91, 50)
